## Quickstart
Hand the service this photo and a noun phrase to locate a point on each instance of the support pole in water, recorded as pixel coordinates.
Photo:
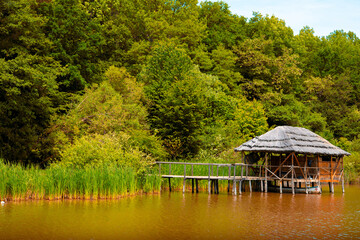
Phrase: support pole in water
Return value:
(192, 185)
(280, 183)
(342, 175)
(240, 185)
(197, 186)
(292, 174)
(209, 183)
(169, 184)
(250, 188)
(184, 178)
(234, 182)
(228, 189)
(266, 166)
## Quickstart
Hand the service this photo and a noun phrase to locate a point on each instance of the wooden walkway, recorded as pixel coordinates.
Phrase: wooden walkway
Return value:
(240, 173)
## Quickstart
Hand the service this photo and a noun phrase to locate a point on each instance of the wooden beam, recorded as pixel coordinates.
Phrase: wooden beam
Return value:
(282, 163)
(299, 166)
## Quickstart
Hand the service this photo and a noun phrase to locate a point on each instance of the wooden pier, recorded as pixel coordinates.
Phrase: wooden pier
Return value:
(263, 176)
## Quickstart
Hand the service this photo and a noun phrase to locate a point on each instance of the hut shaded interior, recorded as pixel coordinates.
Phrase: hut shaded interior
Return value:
(293, 156)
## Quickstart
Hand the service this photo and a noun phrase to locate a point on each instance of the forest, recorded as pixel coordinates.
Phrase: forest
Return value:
(128, 82)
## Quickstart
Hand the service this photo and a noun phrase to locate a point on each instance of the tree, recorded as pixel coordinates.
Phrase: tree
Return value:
(77, 42)
(28, 88)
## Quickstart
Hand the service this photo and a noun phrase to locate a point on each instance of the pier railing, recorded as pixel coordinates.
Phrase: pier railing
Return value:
(239, 172)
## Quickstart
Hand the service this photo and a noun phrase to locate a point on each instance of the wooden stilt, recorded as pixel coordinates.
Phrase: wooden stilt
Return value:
(217, 186)
(229, 179)
(192, 185)
(261, 186)
(240, 183)
(331, 176)
(342, 175)
(250, 188)
(197, 185)
(292, 174)
(342, 182)
(212, 186)
(184, 185)
(319, 177)
(209, 183)
(169, 184)
(234, 181)
(280, 186)
(266, 166)
(209, 186)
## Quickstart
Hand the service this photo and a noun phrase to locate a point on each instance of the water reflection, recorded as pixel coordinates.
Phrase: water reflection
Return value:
(188, 216)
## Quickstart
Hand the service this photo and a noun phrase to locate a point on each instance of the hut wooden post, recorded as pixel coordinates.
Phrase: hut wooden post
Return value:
(305, 172)
(209, 183)
(261, 181)
(330, 170)
(170, 169)
(266, 166)
(250, 187)
(184, 177)
(318, 167)
(280, 186)
(160, 169)
(197, 185)
(292, 174)
(342, 175)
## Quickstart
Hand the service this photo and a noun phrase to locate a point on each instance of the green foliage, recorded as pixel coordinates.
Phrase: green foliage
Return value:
(114, 110)
(261, 75)
(77, 40)
(28, 89)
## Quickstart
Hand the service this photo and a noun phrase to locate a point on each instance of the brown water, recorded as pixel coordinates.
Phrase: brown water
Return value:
(188, 216)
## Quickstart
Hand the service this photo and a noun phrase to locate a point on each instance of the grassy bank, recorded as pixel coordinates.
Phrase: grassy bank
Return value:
(57, 182)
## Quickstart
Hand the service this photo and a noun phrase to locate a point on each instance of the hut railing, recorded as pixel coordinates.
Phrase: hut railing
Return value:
(251, 170)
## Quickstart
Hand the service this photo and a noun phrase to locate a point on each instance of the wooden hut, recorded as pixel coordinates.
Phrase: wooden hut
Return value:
(295, 159)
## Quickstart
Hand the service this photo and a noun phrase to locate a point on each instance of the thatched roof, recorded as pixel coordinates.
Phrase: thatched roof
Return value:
(291, 139)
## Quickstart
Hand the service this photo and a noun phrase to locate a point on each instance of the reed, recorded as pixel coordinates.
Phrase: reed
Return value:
(58, 182)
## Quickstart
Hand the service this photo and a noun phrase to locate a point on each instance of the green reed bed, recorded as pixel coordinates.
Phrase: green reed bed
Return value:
(58, 182)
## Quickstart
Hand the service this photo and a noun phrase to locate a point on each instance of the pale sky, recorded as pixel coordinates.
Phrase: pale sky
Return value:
(324, 16)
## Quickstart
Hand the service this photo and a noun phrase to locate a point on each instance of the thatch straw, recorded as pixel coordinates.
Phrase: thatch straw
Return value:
(291, 139)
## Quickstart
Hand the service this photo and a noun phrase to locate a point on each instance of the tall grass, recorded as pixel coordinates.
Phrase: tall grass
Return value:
(58, 182)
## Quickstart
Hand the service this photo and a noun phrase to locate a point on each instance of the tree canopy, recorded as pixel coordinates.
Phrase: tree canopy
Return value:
(164, 79)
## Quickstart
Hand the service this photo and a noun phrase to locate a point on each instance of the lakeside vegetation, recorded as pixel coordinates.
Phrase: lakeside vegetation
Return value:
(119, 84)
(58, 182)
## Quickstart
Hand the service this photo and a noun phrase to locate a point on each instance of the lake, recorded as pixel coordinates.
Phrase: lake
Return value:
(188, 216)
